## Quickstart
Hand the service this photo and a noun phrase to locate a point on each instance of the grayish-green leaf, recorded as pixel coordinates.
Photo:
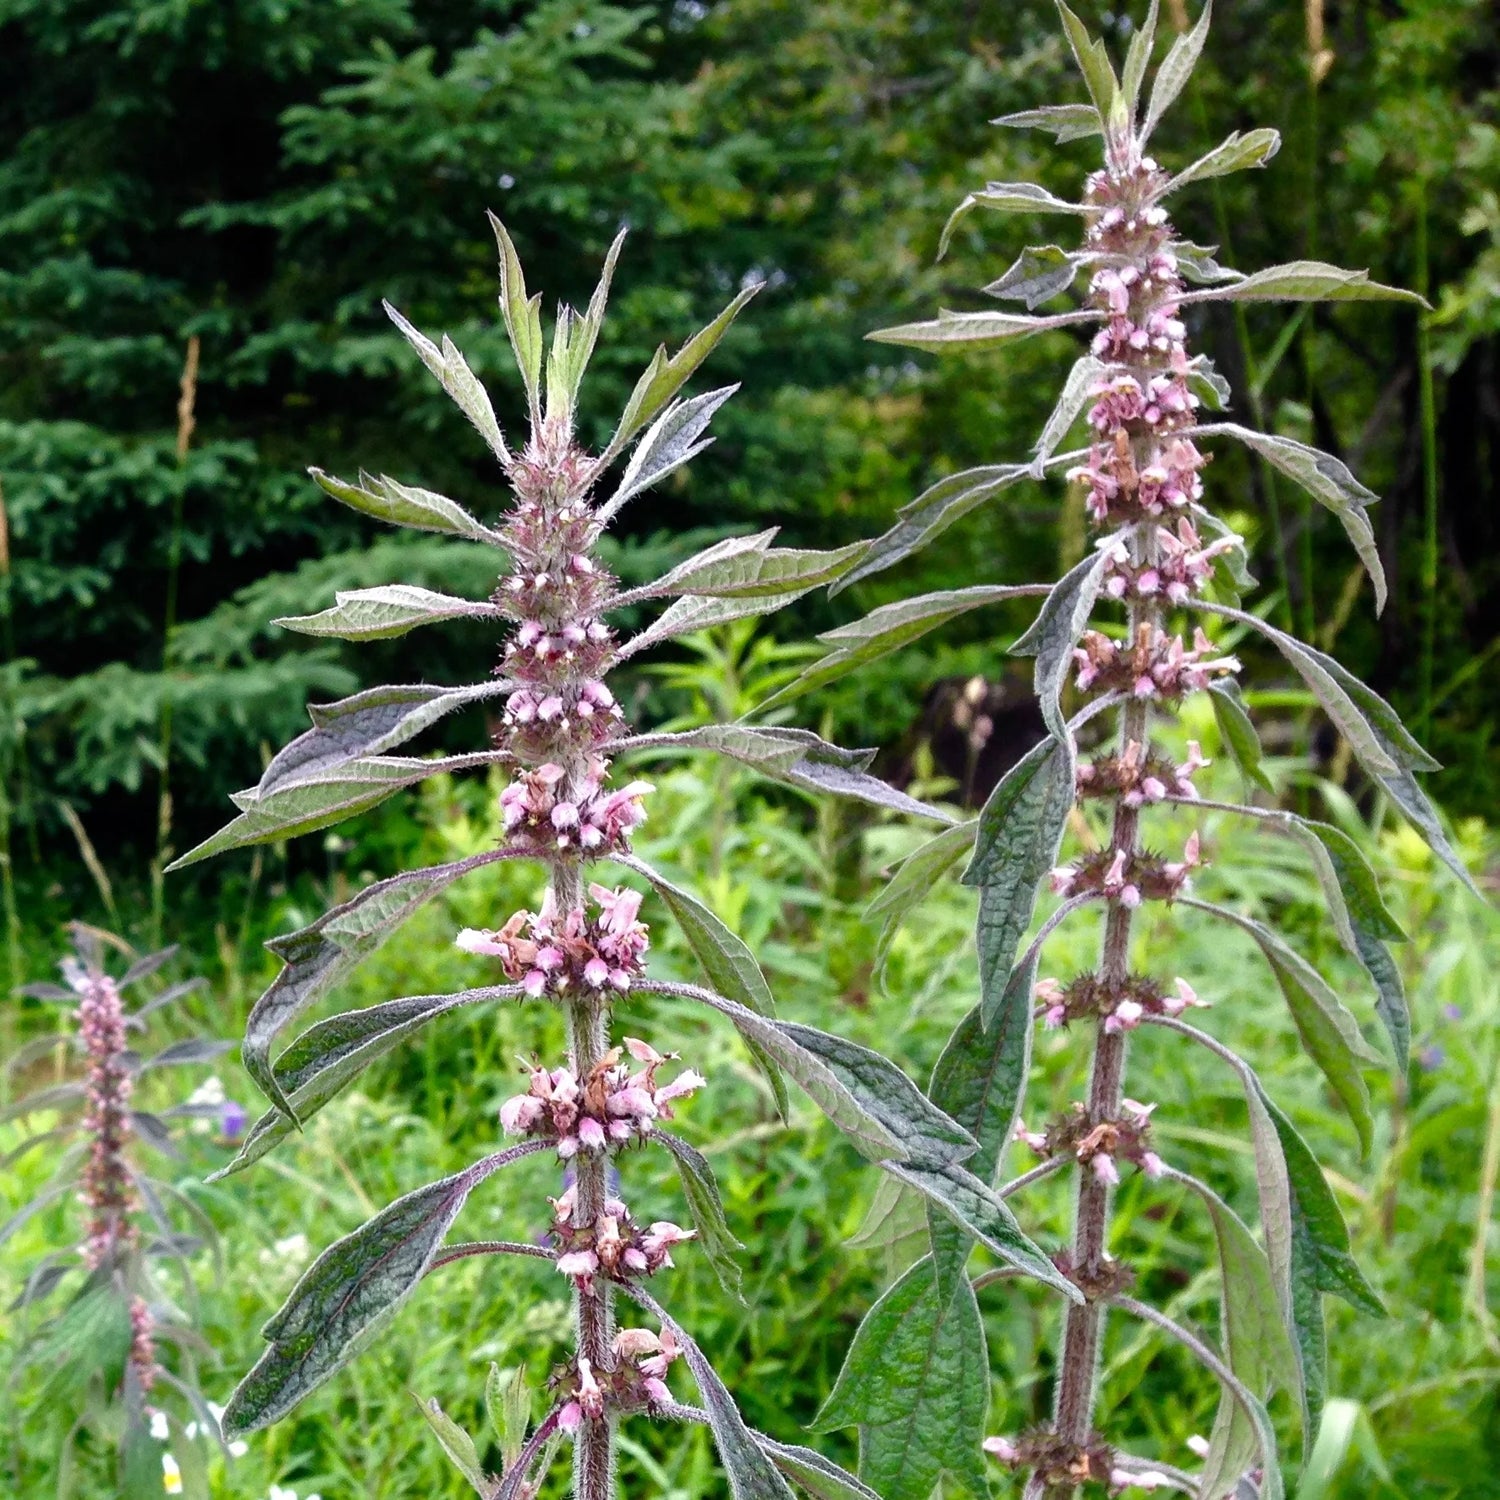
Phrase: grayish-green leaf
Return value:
(674, 438)
(701, 1190)
(523, 319)
(1006, 197)
(457, 379)
(1039, 273)
(404, 505)
(1020, 830)
(918, 873)
(457, 1444)
(1056, 631)
(745, 566)
(916, 1384)
(1197, 263)
(1064, 122)
(1237, 732)
(1236, 154)
(818, 1477)
(1304, 281)
(1093, 63)
(1076, 393)
(1137, 59)
(1177, 67)
(951, 330)
(378, 614)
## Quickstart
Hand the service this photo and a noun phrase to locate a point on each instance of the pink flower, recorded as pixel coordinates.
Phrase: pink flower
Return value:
(580, 1263)
(570, 1418)
(658, 1391)
(1002, 1448)
(518, 1115)
(472, 940)
(1105, 1170)
(591, 1134)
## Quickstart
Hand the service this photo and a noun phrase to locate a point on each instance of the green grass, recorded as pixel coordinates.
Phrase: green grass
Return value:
(1417, 1410)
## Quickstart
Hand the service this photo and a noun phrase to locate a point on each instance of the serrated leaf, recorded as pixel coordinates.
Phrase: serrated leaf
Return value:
(727, 962)
(664, 377)
(1330, 1035)
(523, 321)
(701, 1190)
(1137, 59)
(404, 505)
(318, 956)
(1304, 281)
(1328, 481)
(916, 1384)
(317, 1066)
(816, 1476)
(1007, 197)
(674, 438)
(586, 330)
(932, 513)
(975, 329)
(1238, 733)
(1056, 631)
(380, 613)
(914, 880)
(1214, 390)
(1038, 274)
(1236, 154)
(368, 723)
(1020, 830)
(351, 1291)
(1177, 67)
(1076, 391)
(888, 629)
(507, 1403)
(745, 566)
(457, 379)
(457, 1444)
(1064, 122)
(752, 1475)
(1093, 63)
(1197, 263)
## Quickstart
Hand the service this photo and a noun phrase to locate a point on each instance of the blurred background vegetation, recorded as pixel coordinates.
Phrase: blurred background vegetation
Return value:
(256, 175)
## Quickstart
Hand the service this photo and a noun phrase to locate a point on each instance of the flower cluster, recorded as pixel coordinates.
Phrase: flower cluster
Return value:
(614, 1245)
(1122, 1006)
(611, 1107)
(1042, 1452)
(1120, 491)
(547, 811)
(1128, 876)
(1153, 665)
(636, 1381)
(1181, 568)
(575, 954)
(1137, 776)
(1099, 1144)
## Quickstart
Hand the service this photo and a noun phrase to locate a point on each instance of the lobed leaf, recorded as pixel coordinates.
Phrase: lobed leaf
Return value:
(1236, 154)
(457, 379)
(697, 612)
(378, 614)
(404, 505)
(1007, 197)
(1137, 58)
(523, 319)
(744, 566)
(916, 1384)
(1020, 830)
(1038, 274)
(1304, 281)
(1064, 122)
(1093, 63)
(350, 1292)
(674, 438)
(1177, 67)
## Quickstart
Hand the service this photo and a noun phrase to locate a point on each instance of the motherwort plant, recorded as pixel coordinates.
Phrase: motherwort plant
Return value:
(120, 1352)
(584, 949)
(1127, 636)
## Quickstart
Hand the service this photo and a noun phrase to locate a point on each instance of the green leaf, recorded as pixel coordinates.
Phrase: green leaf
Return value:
(378, 614)
(1061, 621)
(673, 439)
(1304, 281)
(698, 612)
(458, 380)
(888, 629)
(751, 1473)
(1039, 273)
(817, 1476)
(1076, 393)
(1237, 732)
(318, 956)
(1064, 122)
(727, 962)
(325, 1058)
(702, 1193)
(1020, 830)
(932, 513)
(523, 319)
(1093, 63)
(1197, 263)
(1234, 155)
(350, 1293)
(368, 723)
(1137, 59)
(507, 1403)
(404, 505)
(980, 329)
(1177, 67)
(664, 377)
(915, 879)
(1007, 197)
(1330, 1035)
(916, 1384)
(744, 566)
(457, 1444)
(586, 329)
(1328, 481)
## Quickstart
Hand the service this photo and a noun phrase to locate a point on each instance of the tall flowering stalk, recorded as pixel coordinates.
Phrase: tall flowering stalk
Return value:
(585, 947)
(1164, 572)
(122, 1315)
